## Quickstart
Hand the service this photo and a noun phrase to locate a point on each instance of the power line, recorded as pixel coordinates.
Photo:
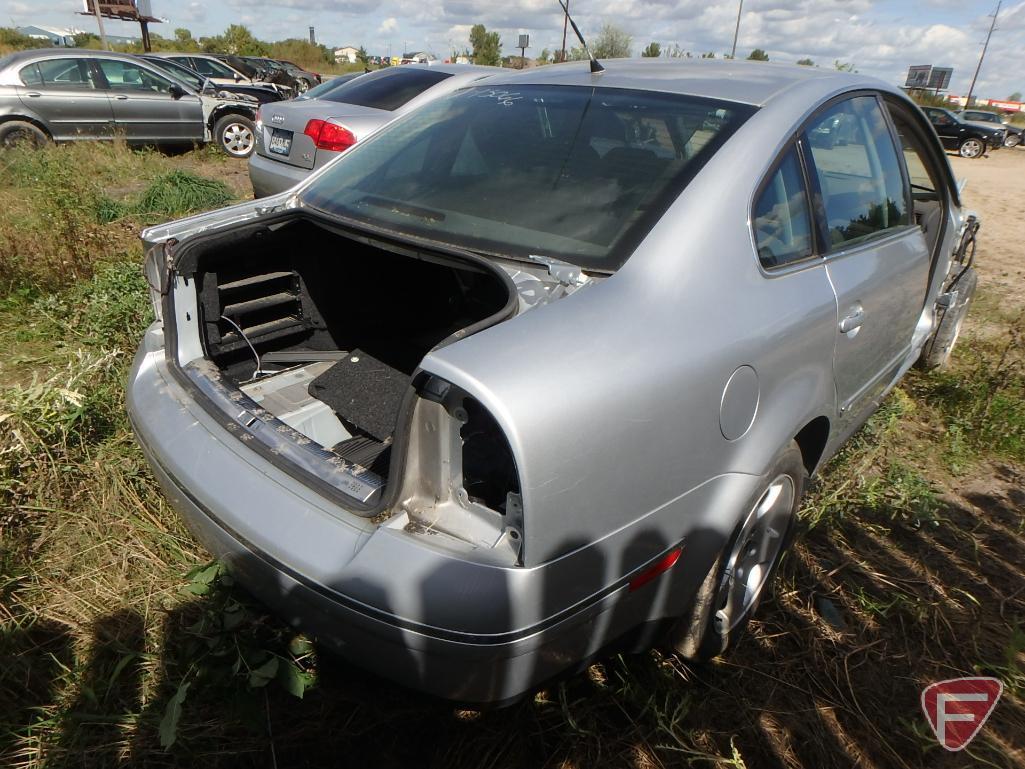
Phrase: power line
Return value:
(736, 31)
(992, 26)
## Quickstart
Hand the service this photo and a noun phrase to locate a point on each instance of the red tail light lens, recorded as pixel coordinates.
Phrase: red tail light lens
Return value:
(329, 136)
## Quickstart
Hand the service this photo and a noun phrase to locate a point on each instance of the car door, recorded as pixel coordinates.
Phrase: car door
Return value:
(950, 131)
(876, 259)
(64, 92)
(148, 106)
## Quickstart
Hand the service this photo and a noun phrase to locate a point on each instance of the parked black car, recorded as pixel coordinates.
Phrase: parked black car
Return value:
(256, 93)
(970, 140)
(1015, 134)
(303, 79)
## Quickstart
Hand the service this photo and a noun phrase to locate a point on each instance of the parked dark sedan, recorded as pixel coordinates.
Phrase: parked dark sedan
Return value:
(256, 93)
(61, 94)
(1015, 134)
(970, 140)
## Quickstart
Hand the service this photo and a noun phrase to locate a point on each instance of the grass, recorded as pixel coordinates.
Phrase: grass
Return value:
(121, 643)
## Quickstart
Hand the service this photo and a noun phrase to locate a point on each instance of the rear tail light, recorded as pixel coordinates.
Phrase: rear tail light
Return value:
(329, 136)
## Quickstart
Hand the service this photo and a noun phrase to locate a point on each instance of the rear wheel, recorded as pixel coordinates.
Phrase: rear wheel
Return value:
(971, 148)
(744, 570)
(1012, 140)
(15, 133)
(302, 85)
(236, 135)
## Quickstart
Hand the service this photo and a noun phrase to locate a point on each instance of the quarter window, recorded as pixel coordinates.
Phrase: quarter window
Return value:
(858, 171)
(782, 220)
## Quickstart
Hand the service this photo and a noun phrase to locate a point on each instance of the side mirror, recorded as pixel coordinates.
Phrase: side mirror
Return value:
(176, 91)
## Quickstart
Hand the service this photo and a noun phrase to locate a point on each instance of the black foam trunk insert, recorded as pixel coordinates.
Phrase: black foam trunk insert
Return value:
(364, 392)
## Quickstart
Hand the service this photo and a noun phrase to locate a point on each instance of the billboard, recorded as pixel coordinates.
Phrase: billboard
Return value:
(918, 76)
(129, 10)
(939, 78)
(524, 41)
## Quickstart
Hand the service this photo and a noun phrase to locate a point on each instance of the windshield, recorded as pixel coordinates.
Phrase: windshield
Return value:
(386, 89)
(572, 172)
(178, 72)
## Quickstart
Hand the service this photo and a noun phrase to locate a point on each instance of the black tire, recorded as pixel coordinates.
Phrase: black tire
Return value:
(19, 132)
(700, 635)
(972, 148)
(235, 135)
(939, 346)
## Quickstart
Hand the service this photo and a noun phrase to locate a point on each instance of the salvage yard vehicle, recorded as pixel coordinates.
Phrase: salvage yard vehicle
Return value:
(991, 119)
(62, 94)
(261, 94)
(296, 137)
(539, 371)
(969, 140)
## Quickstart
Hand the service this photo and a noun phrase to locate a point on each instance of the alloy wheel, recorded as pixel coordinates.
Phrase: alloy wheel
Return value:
(971, 148)
(754, 553)
(237, 139)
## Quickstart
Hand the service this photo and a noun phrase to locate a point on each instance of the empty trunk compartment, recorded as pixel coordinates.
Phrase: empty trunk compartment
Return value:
(325, 329)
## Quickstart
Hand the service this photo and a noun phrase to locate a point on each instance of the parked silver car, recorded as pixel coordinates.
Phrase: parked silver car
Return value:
(541, 370)
(65, 94)
(297, 137)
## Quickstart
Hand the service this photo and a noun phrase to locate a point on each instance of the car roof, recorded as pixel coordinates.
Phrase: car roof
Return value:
(749, 82)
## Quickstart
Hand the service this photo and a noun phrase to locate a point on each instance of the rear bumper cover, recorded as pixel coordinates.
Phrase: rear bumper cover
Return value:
(269, 177)
(422, 615)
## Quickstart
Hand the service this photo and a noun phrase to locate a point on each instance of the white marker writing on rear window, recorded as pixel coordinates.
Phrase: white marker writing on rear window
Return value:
(505, 98)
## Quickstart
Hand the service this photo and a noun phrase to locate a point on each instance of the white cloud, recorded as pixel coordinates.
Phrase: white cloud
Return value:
(388, 25)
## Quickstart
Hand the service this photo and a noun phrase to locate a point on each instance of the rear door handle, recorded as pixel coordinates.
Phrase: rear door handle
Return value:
(34, 94)
(853, 321)
(121, 97)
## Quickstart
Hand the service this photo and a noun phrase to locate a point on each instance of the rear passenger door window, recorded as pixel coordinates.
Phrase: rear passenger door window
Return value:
(782, 216)
(858, 172)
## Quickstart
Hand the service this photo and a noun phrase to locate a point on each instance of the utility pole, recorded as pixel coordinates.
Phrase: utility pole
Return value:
(99, 22)
(736, 31)
(985, 45)
(565, 20)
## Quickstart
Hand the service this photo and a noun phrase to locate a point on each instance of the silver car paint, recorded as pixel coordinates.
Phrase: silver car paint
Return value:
(76, 114)
(613, 401)
(271, 174)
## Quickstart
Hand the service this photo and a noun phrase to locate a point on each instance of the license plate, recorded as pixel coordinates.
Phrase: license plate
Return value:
(280, 141)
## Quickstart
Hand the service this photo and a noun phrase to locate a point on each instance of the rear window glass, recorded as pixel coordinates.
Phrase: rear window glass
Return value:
(575, 173)
(387, 89)
(782, 220)
(58, 73)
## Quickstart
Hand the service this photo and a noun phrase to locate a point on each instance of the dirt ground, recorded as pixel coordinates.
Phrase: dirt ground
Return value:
(995, 190)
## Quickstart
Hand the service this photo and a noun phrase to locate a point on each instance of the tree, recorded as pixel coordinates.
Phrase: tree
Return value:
(237, 39)
(545, 56)
(758, 55)
(676, 52)
(806, 62)
(653, 51)
(184, 41)
(708, 55)
(843, 66)
(612, 43)
(487, 46)
(1016, 96)
(362, 56)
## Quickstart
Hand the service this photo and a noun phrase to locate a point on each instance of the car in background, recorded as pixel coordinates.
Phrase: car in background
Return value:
(220, 72)
(1015, 134)
(538, 373)
(299, 79)
(327, 86)
(62, 94)
(259, 94)
(969, 140)
(295, 138)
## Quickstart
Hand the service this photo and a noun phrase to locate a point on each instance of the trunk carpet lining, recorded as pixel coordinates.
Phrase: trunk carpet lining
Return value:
(365, 392)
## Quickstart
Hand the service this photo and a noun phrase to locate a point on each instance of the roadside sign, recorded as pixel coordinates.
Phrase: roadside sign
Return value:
(939, 78)
(918, 76)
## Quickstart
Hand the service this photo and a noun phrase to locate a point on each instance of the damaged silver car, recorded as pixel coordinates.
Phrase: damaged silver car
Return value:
(540, 370)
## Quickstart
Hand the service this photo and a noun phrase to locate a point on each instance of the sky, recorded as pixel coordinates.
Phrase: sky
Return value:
(880, 37)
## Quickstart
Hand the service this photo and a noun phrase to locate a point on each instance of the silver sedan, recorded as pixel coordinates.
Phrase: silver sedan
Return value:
(540, 370)
(300, 136)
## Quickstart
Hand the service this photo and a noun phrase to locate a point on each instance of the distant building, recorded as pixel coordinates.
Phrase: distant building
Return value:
(348, 53)
(417, 57)
(56, 35)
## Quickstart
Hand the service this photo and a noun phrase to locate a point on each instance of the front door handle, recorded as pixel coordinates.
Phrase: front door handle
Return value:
(34, 94)
(853, 321)
(121, 97)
